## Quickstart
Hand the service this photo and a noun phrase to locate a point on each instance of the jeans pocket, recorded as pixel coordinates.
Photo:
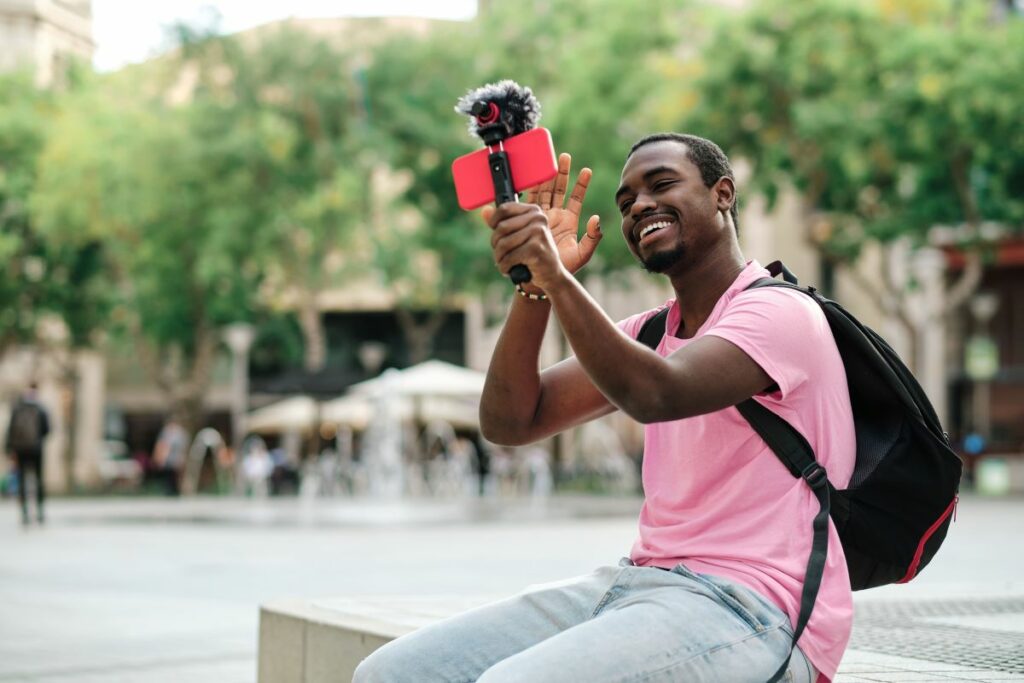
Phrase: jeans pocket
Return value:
(757, 613)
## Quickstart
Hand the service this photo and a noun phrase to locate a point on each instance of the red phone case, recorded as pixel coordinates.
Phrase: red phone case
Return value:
(531, 155)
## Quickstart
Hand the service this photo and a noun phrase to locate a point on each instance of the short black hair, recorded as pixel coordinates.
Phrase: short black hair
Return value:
(706, 156)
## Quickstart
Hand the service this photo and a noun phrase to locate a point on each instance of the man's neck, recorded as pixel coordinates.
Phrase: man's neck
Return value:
(699, 288)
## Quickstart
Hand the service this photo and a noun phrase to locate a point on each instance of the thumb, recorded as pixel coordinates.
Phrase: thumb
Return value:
(589, 242)
(486, 213)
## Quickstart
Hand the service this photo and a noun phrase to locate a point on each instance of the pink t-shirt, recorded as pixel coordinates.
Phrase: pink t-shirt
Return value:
(718, 500)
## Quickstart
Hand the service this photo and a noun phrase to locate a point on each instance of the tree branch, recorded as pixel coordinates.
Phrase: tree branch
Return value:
(967, 283)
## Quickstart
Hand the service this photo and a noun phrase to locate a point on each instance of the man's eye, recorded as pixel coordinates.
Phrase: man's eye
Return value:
(663, 185)
(624, 207)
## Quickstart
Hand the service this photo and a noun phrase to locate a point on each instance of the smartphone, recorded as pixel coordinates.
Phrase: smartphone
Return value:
(531, 155)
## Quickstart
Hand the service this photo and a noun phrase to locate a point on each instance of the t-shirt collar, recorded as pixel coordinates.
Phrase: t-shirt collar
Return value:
(751, 272)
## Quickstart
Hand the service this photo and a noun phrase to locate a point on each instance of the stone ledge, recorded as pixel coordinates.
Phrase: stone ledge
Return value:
(321, 641)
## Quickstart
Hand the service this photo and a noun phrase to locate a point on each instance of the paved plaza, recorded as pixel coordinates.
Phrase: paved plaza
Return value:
(149, 590)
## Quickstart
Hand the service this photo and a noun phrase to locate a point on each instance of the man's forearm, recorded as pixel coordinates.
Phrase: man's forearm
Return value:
(512, 390)
(628, 374)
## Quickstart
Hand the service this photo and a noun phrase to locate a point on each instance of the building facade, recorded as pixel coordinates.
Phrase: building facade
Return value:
(45, 36)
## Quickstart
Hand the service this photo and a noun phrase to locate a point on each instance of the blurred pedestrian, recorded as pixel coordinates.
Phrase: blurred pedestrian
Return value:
(26, 434)
(169, 455)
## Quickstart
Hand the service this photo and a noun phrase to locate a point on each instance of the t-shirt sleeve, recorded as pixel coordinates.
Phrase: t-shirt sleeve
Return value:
(784, 332)
(631, 325)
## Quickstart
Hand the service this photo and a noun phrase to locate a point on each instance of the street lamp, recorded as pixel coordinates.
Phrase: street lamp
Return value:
(239, 338)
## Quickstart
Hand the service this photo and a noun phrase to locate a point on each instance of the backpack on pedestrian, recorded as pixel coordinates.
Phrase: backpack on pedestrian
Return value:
(895, 512)
(26, 427)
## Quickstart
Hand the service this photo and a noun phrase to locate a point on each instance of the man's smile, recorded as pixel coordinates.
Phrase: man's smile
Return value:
(649, 228)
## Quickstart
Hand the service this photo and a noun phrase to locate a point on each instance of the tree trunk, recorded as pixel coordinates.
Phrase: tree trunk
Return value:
(420, 336)
(314, 338)
(184, 384)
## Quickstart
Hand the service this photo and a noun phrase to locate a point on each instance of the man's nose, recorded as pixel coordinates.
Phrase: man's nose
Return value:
(644, 203)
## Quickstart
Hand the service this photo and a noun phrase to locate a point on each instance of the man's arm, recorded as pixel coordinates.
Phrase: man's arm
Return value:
(520, 404)
(706, 375)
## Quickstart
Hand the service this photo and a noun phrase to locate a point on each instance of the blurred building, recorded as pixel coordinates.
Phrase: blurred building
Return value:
(45, 36)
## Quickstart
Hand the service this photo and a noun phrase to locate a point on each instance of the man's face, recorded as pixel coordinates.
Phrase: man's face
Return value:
(668, 214)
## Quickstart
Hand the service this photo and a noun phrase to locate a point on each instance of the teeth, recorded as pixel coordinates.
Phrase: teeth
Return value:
(652, 227)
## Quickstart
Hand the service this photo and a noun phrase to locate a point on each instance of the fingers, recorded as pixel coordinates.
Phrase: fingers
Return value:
(494, 215)
(579, 192)
(531, 195)
(517, 223)
(589, 242)
(544, 194)
(502, 245)
(561, 180)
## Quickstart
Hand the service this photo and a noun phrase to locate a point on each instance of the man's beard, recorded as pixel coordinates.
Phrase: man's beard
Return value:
(662, 261)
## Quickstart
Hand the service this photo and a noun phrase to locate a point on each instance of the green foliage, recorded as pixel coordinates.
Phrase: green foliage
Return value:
(41, 277)
(209, 184)
(889, 118)
(595, 66)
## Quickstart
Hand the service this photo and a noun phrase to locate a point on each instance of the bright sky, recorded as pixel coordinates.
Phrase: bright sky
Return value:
(128, 31)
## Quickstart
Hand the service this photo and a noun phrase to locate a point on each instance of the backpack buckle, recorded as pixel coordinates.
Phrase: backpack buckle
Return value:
(815, 475)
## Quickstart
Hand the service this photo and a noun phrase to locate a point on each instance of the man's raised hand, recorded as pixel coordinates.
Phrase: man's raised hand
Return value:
(562, 217)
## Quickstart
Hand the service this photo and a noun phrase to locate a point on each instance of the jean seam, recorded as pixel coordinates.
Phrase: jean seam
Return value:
(734, 605)
(613, 591)
(648, 674)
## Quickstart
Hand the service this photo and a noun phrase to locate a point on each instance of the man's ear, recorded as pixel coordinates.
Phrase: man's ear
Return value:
(725, 193)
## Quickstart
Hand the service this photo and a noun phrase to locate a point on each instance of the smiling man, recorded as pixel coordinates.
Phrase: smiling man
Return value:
(711, 588)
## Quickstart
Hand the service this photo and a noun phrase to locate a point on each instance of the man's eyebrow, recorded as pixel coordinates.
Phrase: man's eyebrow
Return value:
(647, 176)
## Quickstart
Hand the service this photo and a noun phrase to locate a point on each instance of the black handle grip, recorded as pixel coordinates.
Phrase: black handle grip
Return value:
(520, 274)
(504, 191)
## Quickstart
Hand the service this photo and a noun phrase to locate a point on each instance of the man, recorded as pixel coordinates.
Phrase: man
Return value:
(711, 589)
(169, 455)
(26, 433)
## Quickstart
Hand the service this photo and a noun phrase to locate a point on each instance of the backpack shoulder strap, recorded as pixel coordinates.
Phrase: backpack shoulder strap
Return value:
(790, 446)
(797, 455)
(653, 329)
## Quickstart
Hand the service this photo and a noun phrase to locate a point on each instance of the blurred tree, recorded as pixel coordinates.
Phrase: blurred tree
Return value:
(889, 119)
(42, 277)
(221, 181)
(308, 191)
(166, 195)
(593, 64)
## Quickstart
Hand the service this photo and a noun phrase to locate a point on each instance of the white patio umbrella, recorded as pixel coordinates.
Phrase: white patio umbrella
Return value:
(295, 414)
(428, 379)
(351, 410)
(356, 411)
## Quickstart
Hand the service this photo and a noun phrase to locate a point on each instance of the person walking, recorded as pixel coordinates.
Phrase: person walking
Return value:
(26, 434)
(169, 455)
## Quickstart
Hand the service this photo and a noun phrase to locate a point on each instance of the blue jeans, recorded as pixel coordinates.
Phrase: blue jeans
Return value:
(624, 623)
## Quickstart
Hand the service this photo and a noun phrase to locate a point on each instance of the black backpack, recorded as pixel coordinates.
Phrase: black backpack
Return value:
(25, 432)
(895, 513)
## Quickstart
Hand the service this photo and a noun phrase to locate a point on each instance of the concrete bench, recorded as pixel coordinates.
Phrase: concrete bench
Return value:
(321, 641)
